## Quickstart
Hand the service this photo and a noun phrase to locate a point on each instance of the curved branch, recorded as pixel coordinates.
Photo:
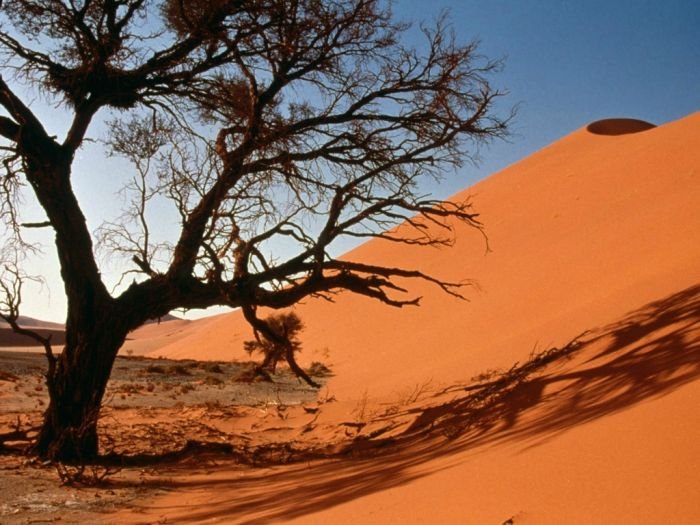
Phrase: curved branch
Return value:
(9, 312)
(18, 110)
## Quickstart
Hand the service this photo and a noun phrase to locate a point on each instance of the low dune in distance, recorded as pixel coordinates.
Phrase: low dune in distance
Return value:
(10, 339)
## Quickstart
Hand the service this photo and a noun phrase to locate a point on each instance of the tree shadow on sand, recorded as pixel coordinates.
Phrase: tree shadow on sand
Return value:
(648, 354)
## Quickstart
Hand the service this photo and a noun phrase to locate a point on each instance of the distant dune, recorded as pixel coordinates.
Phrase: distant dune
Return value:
(30, 322)
(150, 332)
(9, 339)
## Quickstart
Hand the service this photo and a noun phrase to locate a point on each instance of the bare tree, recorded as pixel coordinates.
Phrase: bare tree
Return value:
(265, 122)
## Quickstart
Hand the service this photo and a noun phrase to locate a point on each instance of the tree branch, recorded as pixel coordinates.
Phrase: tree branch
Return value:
(9, 312)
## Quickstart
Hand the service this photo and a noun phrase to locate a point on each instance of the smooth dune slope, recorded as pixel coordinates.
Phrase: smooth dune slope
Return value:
(598, 232)
(580, 233)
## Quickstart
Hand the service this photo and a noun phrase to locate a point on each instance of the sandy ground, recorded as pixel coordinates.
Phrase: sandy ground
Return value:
(455, 412)
(154, 410)
(604, 433)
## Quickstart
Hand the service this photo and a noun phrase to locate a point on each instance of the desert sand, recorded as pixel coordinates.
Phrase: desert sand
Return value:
(593, 250)
(579, 233)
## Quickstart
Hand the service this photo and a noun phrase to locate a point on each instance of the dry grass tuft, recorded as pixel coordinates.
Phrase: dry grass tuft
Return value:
(318, 369)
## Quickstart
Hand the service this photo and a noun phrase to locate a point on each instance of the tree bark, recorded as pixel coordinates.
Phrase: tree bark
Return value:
(77, 387)
(95, 328)
(299, 371)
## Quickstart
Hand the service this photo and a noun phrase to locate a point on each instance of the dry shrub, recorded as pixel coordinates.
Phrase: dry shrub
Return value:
(179, 370)
(214, 368)
(212, 380)
(286, 326)
(7, 376)
(82, 475)
(318, 369)
(130, 388)
(252, 373)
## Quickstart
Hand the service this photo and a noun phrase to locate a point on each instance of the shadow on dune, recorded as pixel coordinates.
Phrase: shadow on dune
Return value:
(648, 354)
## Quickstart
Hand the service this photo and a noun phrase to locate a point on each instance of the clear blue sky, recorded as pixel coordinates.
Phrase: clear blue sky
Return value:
(571, 62)
(568, 63)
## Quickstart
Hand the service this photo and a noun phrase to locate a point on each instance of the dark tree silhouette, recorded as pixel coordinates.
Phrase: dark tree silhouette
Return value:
(263, 123)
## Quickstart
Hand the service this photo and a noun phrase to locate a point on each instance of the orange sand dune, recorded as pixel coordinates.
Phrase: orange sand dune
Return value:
(599, 231)
(155, 335)
(208, 338)
(580, 233)
(607, 437)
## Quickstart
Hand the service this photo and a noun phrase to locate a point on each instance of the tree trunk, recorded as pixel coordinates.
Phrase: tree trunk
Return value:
(76, 389)
(299, 371)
